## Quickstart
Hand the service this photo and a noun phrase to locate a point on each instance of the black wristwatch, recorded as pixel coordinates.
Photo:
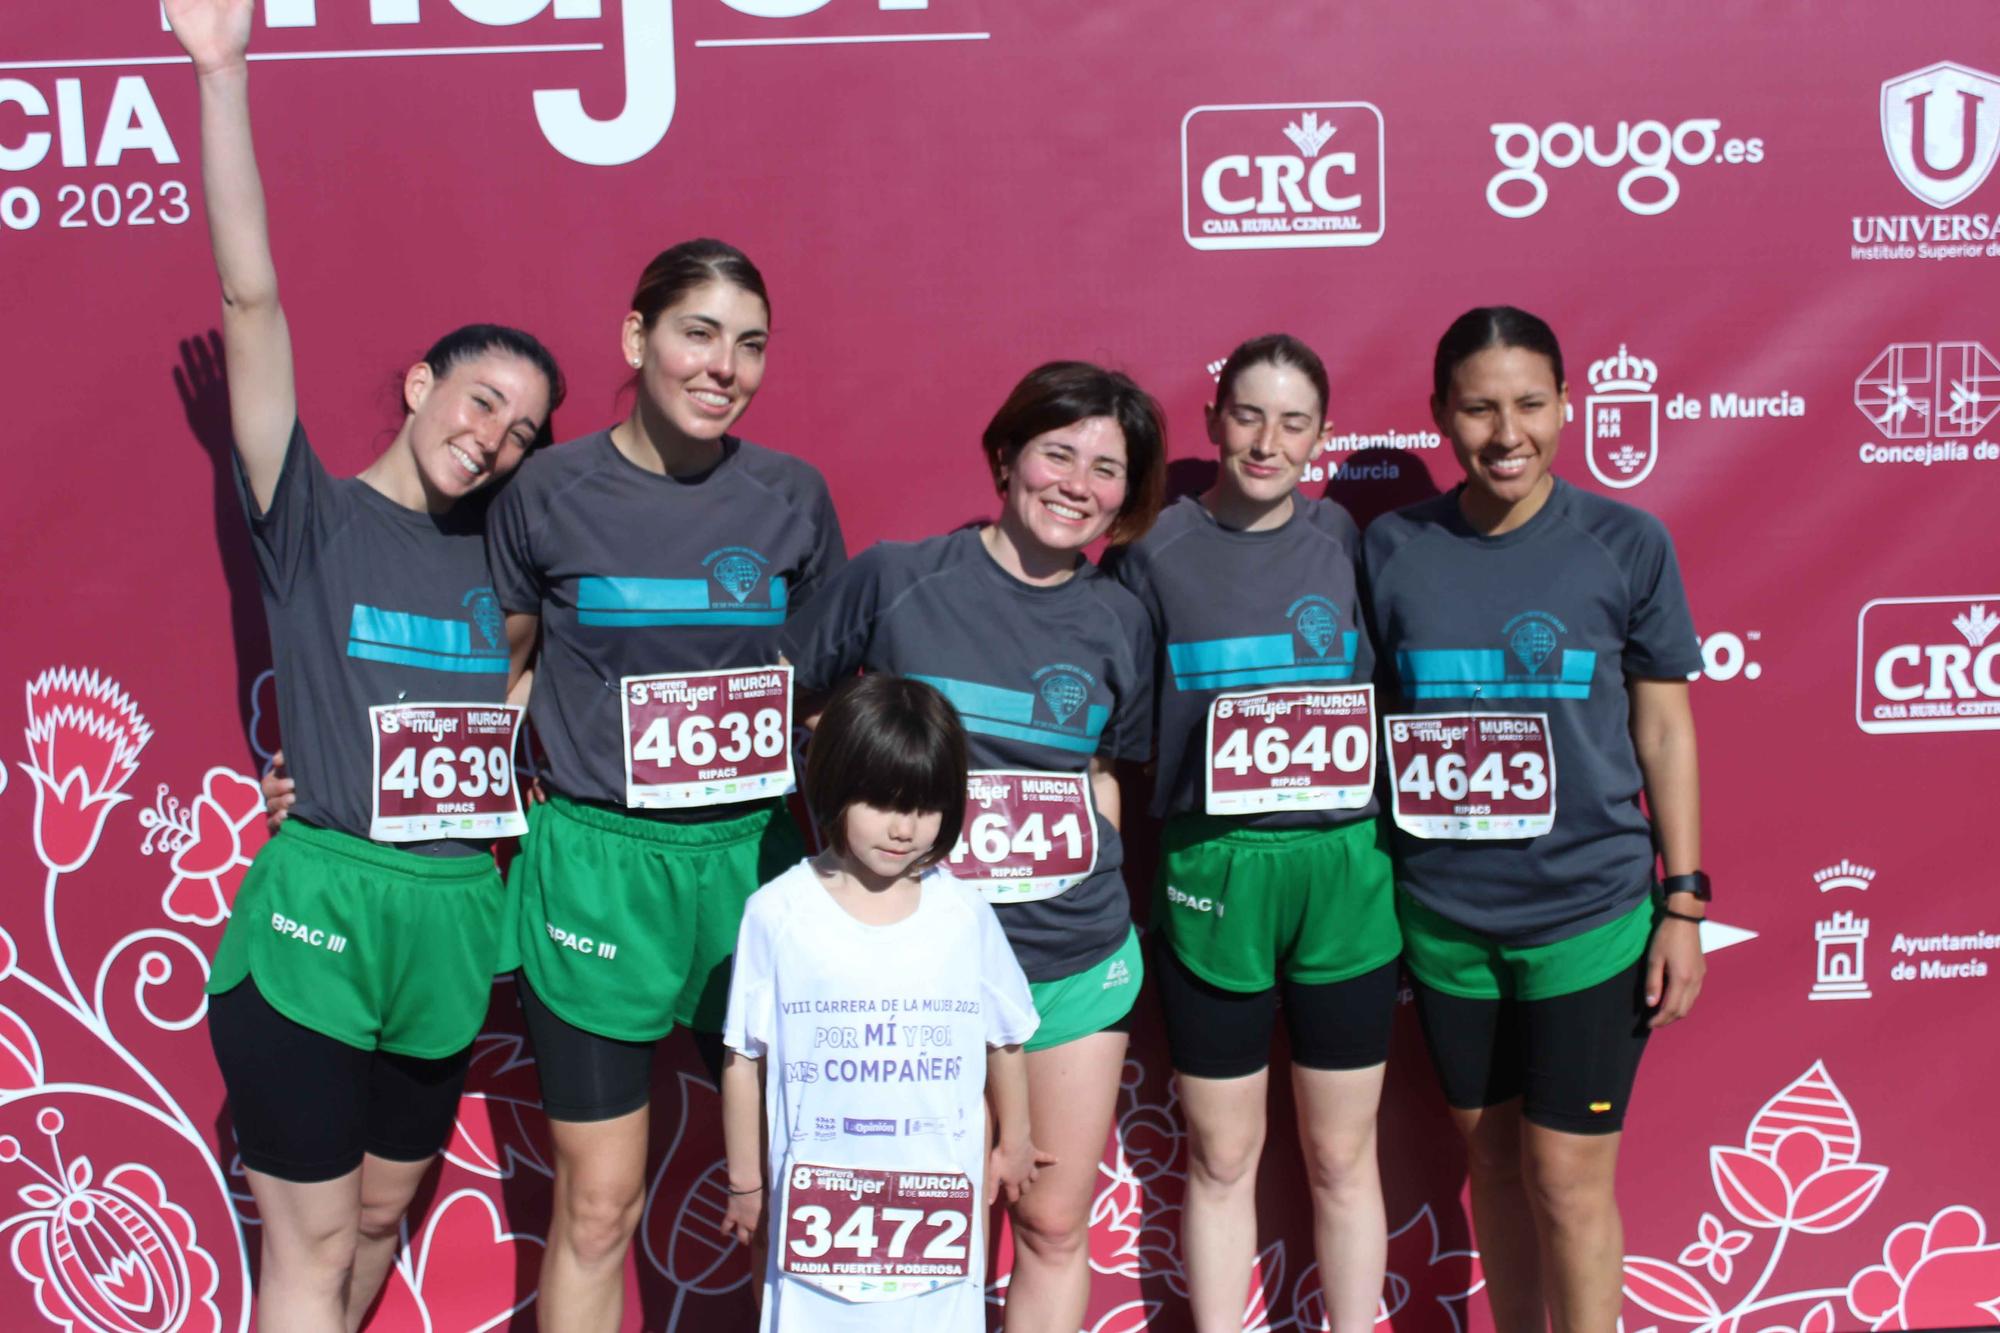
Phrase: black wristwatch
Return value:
(1695, 883)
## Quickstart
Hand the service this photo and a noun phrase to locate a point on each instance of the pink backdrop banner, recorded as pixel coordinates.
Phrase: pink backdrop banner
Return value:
(1768, 239)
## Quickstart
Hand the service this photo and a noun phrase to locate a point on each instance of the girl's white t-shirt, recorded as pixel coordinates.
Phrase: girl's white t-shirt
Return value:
(875, 1040)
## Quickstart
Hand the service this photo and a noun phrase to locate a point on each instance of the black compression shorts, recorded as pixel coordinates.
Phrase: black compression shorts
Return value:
(587, 1077)
(1572, 1059)
(306, 1107)
(1217, 1033)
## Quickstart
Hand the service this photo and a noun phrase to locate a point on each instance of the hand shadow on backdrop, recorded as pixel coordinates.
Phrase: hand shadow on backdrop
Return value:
(204, 395)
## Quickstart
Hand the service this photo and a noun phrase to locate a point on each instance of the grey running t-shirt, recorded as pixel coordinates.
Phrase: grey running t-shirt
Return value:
(368, 603)
(635, 573)
(1045, 678)
(1241, 611)
(1549, 618)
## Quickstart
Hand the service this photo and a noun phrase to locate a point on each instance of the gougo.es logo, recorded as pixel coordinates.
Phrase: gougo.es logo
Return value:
(1647, 187)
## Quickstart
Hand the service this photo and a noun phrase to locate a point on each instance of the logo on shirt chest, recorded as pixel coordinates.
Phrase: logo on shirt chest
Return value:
(1316, 620)
(737, 570)
(1533, 661)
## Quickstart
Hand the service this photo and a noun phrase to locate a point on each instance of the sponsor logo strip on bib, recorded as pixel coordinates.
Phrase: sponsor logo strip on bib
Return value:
(707, 737)
(1299, 748)
(1472, 775)
(444, 771)
(1027, 835)
(865, 1235)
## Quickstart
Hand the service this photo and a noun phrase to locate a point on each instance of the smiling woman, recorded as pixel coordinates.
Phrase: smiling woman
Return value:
(375, 588)
(1049, 663)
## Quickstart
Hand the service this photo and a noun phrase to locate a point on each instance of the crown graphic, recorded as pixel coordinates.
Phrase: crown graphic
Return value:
(1308, 134)
(1623, 372)
(1842, 925)
(1976, 624)
(1844, 874)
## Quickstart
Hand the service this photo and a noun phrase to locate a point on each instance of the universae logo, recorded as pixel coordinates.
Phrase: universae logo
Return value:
(1941, 129)
(1282, 175)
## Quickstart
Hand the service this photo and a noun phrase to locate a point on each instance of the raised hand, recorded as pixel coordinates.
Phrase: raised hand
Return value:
(216, 33)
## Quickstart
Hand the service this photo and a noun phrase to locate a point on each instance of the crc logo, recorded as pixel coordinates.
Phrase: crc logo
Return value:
(1621, 420)
(1926, 391)
(1941, 127)
(1282, 175)
(1650, 146)
(1928, 664)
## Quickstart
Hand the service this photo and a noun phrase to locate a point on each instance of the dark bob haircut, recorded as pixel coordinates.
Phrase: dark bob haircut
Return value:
(1492, 326)
(895, 744)
(1273, 349)
(472, 341)
(1062, 393)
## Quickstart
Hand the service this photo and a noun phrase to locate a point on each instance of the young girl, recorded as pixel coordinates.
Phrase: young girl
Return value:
(886, 1000)
(1050, 665)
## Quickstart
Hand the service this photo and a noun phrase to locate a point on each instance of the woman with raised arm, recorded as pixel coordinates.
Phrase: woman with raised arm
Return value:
(355, 971)
(1050, 664)
(1542, 648)
(1275, 890)
(651, 566)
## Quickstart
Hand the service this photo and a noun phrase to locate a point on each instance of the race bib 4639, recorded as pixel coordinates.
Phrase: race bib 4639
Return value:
(707, 737)
(1473, 775)
(444, 771)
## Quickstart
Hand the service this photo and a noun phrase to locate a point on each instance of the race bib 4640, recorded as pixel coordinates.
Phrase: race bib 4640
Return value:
(866, 1235)
(1027, 835)
(1472, 775)
(444, 771)
(707, 737)
(1310, 748)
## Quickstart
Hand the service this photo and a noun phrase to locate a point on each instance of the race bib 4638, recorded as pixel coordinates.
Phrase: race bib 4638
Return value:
(707, 737)
(1472, 775)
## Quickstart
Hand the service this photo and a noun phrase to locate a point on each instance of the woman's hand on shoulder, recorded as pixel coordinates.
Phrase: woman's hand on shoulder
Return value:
(280, 792)
(214, 33)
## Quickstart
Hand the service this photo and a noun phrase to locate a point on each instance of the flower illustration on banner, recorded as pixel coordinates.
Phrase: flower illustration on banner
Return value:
(20, 1052)
(115, 1257)
(464, 1273)
(84, 738)
(1799, 1173)
(1715, 1248)
(681, 1232)
(212, 841)
(1935, 1274)
(500, 1123)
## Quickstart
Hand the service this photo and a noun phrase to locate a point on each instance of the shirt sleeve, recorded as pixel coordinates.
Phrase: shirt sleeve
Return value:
(829, 553)
(1660, 638)
(284, 534)
(510, 556)
(750, 1025)
(1008, 1007)
(828, 639)
(1130, 735)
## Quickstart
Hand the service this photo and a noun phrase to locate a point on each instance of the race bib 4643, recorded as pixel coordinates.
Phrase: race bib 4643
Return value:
(1472, 775)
